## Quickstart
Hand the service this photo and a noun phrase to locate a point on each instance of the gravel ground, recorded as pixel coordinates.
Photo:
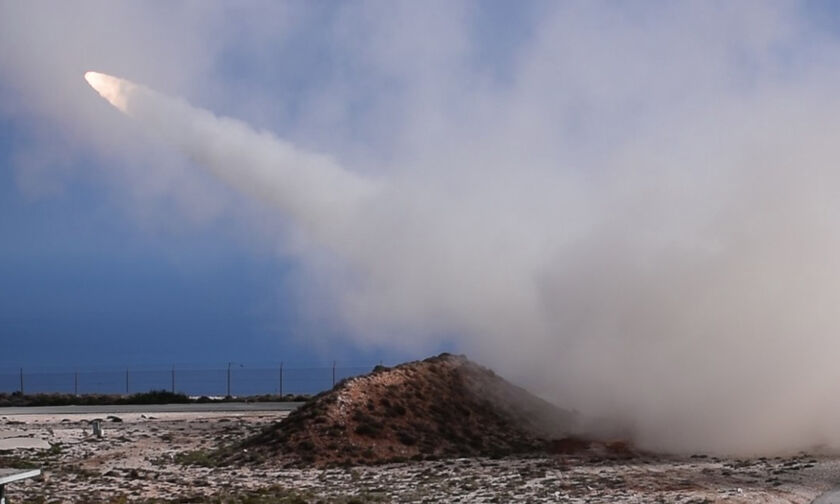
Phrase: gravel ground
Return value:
(162, 457)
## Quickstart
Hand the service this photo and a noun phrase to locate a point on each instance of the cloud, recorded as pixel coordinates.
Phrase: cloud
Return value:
(635, 216)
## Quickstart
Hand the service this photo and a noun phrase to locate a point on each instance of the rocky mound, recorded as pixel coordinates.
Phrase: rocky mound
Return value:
(441, 407)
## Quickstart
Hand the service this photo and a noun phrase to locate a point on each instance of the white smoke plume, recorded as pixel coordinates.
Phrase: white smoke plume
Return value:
(693, 299)
(635, 214)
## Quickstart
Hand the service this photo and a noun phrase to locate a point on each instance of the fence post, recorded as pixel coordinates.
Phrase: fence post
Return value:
(333, 372)
(173, 378)
(21, 381)
(281, 380)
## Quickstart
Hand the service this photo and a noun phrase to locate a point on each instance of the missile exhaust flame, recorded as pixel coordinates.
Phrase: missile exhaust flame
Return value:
(113, 89)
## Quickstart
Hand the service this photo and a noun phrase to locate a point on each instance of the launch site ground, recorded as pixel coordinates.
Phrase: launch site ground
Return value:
(162, 457)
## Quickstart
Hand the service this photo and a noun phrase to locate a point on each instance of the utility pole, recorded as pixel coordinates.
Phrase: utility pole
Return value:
(21, 381)
(173, 378)
(126, 381)
(228, 379)
(76, 383)
(281, 379)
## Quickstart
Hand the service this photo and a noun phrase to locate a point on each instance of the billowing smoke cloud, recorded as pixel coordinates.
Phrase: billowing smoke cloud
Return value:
(635, 214)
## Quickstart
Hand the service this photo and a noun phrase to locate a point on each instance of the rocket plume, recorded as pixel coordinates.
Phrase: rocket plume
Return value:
(311, 187)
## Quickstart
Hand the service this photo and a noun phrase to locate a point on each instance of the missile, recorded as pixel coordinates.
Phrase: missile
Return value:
(316, 190)
(115, 90)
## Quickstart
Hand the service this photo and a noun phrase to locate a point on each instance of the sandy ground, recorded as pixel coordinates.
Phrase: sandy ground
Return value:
(159, 457)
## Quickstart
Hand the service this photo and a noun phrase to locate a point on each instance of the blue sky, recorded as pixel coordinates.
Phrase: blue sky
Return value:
(92, 276)
(83, 284)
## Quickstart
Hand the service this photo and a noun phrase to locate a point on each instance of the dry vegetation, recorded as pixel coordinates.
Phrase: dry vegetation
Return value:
(16, 399)
(445, 406)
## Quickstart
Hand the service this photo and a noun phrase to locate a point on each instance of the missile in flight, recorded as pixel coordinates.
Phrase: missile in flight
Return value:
(316, 190)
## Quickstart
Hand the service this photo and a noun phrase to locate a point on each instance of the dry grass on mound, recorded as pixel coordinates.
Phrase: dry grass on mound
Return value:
(444, 406)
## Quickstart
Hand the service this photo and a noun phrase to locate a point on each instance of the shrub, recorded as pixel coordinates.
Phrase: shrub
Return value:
(406, 438)
(155, 397)
(367, 429)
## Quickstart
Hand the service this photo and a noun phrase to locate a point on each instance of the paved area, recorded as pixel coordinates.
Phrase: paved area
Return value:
(151, 408)
(14, 443)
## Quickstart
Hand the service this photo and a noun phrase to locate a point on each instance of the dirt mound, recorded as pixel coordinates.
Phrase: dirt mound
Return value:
(443, 406)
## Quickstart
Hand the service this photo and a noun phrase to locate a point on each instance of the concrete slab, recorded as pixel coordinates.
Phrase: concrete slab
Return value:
(15, 443)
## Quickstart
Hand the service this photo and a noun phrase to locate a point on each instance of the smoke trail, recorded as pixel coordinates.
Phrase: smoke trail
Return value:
(317, 192)
(685, 289)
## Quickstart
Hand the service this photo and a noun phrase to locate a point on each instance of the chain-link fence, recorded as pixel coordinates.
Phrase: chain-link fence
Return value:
(232, 379)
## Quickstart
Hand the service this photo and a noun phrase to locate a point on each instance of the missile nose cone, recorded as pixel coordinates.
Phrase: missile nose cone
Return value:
(98, 80)
(111, 88)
